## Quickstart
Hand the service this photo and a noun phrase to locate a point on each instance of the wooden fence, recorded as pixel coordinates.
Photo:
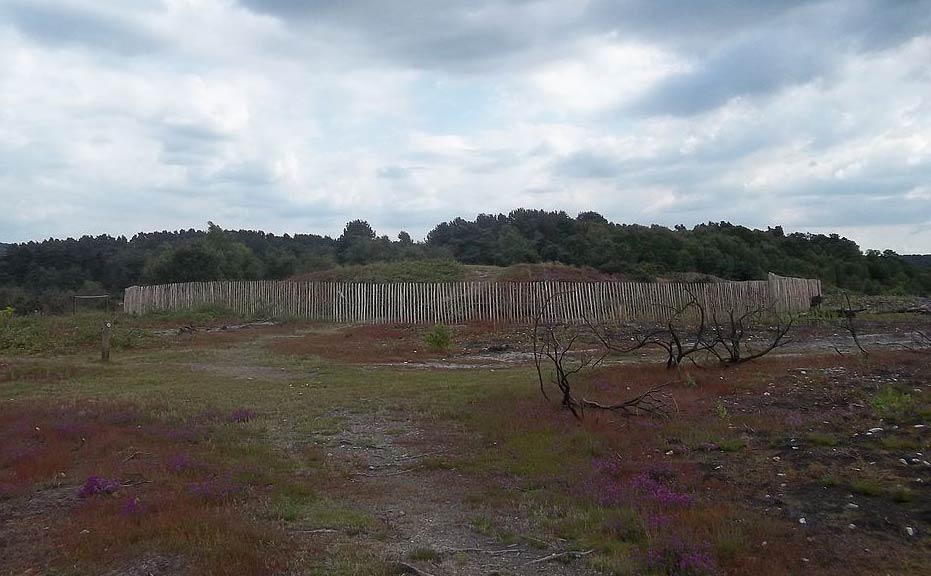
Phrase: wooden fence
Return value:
(460, 302)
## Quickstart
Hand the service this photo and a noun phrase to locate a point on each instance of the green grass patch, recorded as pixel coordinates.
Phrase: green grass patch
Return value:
(401, 271)
(424, 555)
(901, 495)
(209, 314)
(867, 487)
(822, 439)
(731, 444)
(439, 338)
(67, 334)
(901, 443)
(891, 403)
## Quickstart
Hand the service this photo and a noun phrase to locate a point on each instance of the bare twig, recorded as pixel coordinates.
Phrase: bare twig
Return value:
(396, 473)
(558, 555)
(131, 456)
(411, 569)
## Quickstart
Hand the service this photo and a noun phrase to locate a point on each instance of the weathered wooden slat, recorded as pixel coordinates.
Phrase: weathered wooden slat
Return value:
(423, 303)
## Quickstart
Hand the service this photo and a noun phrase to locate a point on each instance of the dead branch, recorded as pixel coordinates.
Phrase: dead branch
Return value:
(673, 337)
(568, 554)
(851, 326)
(411, 569)
(554, 345)
(386, 474)
(921, 342)
(654, 402)
(729, 341)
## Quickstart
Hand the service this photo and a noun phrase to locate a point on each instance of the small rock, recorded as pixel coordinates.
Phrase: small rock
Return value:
(909, 530)
(851, 526)
(802, 521)
(852, 506)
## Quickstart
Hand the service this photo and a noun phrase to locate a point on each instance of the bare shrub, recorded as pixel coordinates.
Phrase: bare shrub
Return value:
(568, 349)
(730, 336)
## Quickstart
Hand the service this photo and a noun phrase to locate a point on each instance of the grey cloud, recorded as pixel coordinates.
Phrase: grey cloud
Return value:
(63, 25)
(753, 65)
(743, 48)
(862, 210)
(802, 44)
(185, 143)
(456, 35)
(250, 173)
(461, 34)
(686, 23)
(587, 164)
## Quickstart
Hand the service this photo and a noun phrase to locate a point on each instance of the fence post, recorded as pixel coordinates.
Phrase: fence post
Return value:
(105, 341)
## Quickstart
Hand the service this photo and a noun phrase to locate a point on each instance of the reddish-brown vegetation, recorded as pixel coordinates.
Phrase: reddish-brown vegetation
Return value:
(111, 484)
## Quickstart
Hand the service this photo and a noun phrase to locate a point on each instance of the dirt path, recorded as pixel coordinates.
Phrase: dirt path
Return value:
(427, 508)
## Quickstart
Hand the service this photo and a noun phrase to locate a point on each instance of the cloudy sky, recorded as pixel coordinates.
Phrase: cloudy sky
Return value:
(296, 116)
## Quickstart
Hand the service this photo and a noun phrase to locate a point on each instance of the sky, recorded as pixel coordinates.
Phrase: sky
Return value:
(296, 116)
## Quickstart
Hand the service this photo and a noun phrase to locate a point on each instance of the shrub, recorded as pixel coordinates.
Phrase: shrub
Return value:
(891, 403)
(439, 338)
(679, 558)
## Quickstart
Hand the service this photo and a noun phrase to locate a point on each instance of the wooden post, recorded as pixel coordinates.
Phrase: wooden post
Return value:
(105, 341)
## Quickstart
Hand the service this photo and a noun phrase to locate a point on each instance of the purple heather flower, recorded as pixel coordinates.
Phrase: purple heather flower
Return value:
(652, 485)
(132, 507)
(213, 489)
(677, 558)
(242, 415)
(95, 485)
(178, 462)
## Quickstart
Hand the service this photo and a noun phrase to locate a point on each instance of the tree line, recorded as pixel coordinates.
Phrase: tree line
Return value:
(43, 275)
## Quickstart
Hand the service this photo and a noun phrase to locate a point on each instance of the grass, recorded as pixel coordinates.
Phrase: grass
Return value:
(892, 403)
(401, 271)
(424, 555)
(439, 338)
(66, 334)
(867, 487)
(901, 495)
(894, 442)
(731, 444)
(823, 439)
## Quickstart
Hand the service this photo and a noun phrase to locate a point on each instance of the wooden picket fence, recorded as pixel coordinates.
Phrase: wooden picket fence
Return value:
(462, 302)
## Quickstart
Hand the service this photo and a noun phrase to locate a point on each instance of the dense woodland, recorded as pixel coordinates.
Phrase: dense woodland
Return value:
(42, 275)
(923, 260)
